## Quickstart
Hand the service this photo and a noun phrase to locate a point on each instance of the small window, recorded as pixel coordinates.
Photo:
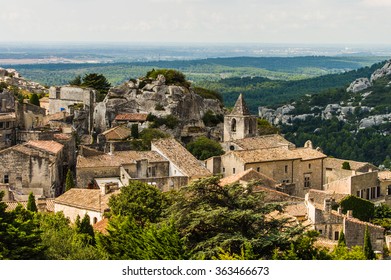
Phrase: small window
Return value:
(233, 125)
(336, 235)
(378, 194)
(6, 179)
(223, 169)
(7, 124)
(232, 147)
(258, 169)
(389, 190)
(286, 168)
(320, 231)
(307, 180)
(233, 170)
(1, 125)
(309, 166)
(94, 220)
(358, 193)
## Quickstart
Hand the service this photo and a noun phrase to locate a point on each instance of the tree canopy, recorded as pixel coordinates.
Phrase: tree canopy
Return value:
(203, 148)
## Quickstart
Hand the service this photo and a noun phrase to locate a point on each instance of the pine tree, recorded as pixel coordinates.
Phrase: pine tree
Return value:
(31, 203)
(34, 99)
(368, 252)
(69, 182)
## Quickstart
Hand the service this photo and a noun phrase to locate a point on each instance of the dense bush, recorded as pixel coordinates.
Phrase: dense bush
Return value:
(173, 77)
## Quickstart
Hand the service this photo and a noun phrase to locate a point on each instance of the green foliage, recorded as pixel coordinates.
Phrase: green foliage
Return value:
(31, 206)
(303, 249)
(363, 210)
(265, 128)
(20, 234)
(127, 240)
(63, 242)
(382, 216)
(134, 131)
(210, 119)
(159, 107)
(69, 182)
(344, 253)
(97, 82)
(139, 200)
(169, 121)
(203, 148)
(85, 228)
(208, 94)
(145, 138)
(215, 218)
(34, 99)
(346, 165)
(3, 85)
(368, 252)
(341, 240)
(76, 81)
(173, 77)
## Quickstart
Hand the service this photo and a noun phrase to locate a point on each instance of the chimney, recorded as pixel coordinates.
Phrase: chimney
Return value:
(327, 205)
(339, 210)
(111, 148)
(3, 105)
(349, 213)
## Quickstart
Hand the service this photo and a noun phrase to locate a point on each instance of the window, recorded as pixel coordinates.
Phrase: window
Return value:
(258, 169)
(378, 191)
(152, 171)
(307, 180)
(286, 168)
(1, 125)
(7, 124)
(94, 220)
(320, 231)
(6, 179)
(336, 235)
(232, 147)
(233, 170)
(309, 166)
(368, 193)
(358, 194)
(233, 125)
(223, 169)
(389, 190)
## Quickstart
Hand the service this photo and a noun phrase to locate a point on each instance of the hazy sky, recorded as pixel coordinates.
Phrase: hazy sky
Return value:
(237, 21)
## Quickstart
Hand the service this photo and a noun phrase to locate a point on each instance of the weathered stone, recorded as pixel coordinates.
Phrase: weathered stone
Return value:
(384, 71)
(359, 85)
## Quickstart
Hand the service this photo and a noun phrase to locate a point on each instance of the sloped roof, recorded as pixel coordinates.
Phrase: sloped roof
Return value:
(89, 199)
(48, 203)
(136, 117)
(240, 107)
(117, 133)
(49, 146)
(384, 175)
(336, 163)
(318, 196)
(118, 158)
(272, 195)
(247, 176)
(62, 136)
(101, 226)
(263, 142)
(180, 157)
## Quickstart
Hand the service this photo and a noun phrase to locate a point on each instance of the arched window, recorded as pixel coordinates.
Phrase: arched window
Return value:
(233, 125)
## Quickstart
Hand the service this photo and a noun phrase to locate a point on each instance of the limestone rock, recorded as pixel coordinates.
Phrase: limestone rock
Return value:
(359, 85)
(384, 71)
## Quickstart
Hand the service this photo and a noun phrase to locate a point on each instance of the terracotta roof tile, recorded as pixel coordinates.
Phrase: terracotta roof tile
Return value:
(136, 117)
(62, 136)
(117, 133)
(247, 176)
(336, 163)
(47, 203)
(263, 142)
(180, 157)
(101, 226)
(49, 146)
(118, 158)
(90, 199)
(384, 175)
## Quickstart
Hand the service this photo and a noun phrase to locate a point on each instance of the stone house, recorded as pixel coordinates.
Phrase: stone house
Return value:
(364, 185)
(297, 170)
(114, 138)
(385, 186)
(79, 102)
(129, 119)
(36, 166)
(258, 142)
(181, 161)
(78, 202)
(330, 224)
(248, 176)
(7, 130)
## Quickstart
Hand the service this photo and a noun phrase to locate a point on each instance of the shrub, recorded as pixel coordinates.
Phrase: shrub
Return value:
(210, 119)
(173, 77)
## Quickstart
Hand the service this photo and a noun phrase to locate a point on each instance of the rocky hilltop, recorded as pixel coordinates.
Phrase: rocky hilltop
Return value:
(359, 99)
(160, 98)
(13, 78)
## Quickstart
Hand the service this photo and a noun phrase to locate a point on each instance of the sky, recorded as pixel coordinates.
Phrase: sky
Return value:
(197, 21)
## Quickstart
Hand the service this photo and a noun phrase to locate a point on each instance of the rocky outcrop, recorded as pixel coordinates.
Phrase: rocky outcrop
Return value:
(160, 99)
(13, 78)
(359, 85)
(384, 71)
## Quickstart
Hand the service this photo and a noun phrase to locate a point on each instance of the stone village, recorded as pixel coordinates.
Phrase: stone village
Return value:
(71, 131)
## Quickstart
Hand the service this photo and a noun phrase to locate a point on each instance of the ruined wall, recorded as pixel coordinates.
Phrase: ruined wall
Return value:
(86, 174)
(354, 234)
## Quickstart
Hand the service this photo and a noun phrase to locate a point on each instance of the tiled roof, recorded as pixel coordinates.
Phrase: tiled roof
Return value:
(49, 146)
(117, 133)
(384, 175)
(296, 210)
(48, 204)
(263, 142)
(240, 107)
(247, 176)
(180, 157)
(272, 195)
(118, 158)
(318, 196)
(89, 199)
(136, 117)
(57, 116)
(101, 226)
(62, 136)
(276, 154)
(336, 163)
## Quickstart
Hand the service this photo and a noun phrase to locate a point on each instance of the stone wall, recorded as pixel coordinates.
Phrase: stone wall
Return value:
(354, 234)
(85, 175)
(165, 183)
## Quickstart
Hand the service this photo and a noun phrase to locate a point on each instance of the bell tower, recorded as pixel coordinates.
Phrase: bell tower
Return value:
(239, 123)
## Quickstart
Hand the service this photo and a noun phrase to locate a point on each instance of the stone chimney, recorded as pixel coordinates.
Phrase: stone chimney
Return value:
(3, 105)
(327, 205)
(142, 168)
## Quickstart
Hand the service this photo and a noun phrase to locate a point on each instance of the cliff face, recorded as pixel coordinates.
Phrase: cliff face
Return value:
(160, 99)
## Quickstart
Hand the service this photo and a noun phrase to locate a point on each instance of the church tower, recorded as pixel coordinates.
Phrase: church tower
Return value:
(239, 123)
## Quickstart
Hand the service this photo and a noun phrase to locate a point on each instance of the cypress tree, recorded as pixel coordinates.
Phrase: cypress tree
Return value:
(341, 240)
(31, 206)
(134, 131)
(69, 182)
(368, 252)
(34, 99)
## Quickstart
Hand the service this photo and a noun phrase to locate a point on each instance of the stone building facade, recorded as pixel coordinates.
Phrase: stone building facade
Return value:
(34, 166)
